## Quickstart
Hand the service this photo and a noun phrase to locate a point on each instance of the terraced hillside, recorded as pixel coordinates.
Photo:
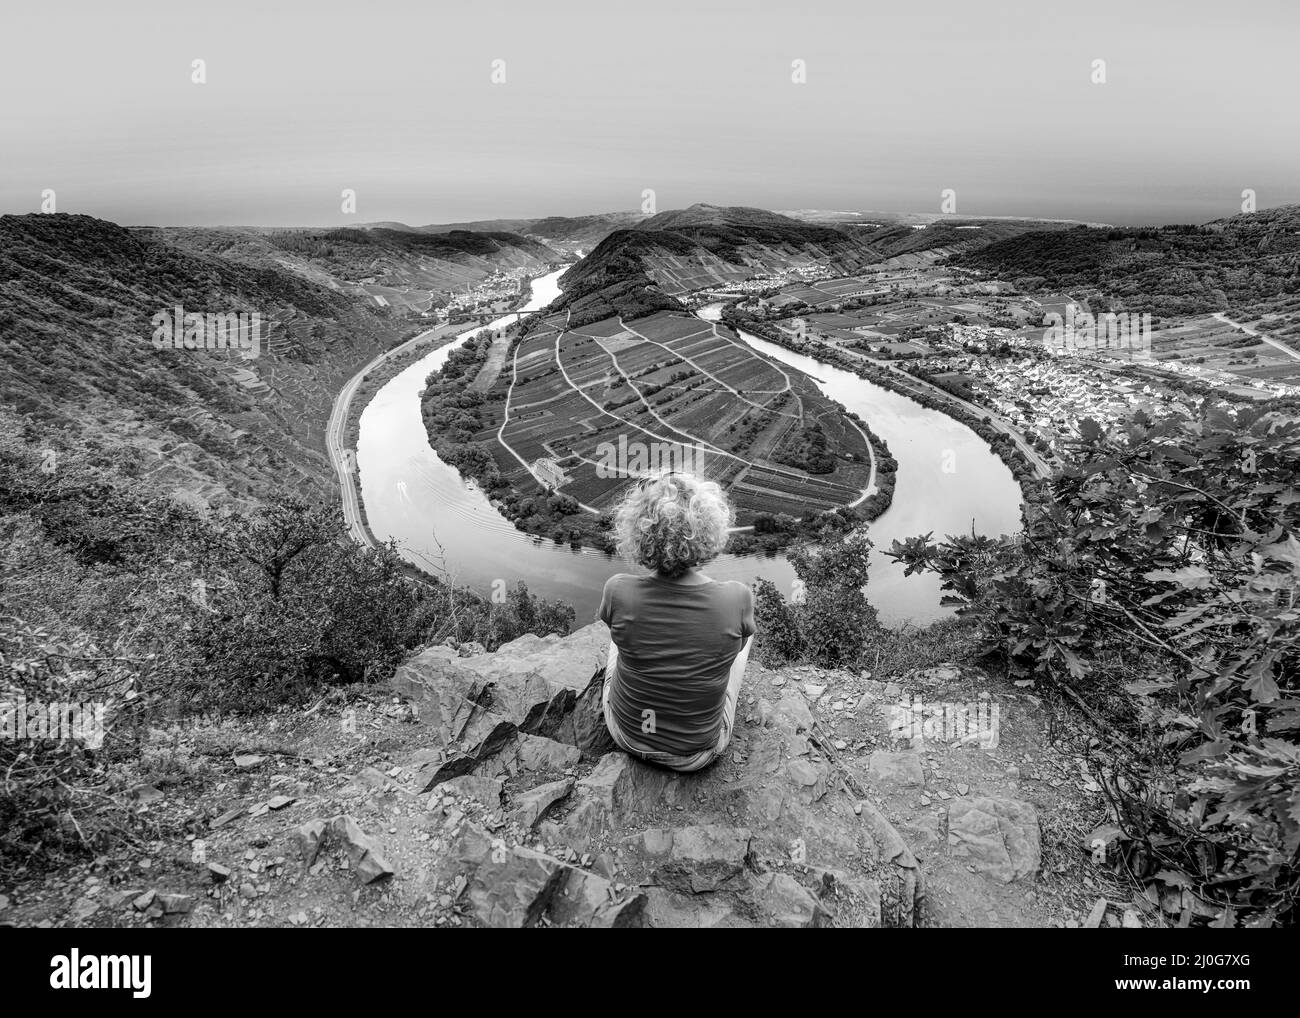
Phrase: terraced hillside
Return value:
(562, 425)
(617, 369)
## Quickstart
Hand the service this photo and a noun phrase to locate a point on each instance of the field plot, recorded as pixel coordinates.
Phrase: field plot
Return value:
(1198, 336)
(1055, 303)
(1288, 372)
(902, 325)
(608, 327)
(835, 320)
(845, 287)
(807, 294)
(664, 327)
(683, 275)
(1213, 345)
(693, 346)
(670, 385)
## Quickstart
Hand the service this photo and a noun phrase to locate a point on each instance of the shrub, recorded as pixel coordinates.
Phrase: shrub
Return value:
(1171, 548)
(112, 597)
(830, 621)
(778, 639)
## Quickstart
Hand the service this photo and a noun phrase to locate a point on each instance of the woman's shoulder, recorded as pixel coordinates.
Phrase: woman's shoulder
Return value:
(735, 589)
(614, 599)
(620, 580)
(624, 584)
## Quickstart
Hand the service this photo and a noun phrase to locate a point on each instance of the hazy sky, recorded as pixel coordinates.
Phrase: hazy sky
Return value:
(692, 99)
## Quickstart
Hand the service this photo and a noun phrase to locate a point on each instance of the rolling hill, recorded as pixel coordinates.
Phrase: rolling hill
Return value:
(388, 267)
(642, 270)
(638, 271)
(77, 300)
(567, 234)
(1246, 265)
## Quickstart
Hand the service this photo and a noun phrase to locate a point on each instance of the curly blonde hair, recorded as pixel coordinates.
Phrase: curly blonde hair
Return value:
(671, 521)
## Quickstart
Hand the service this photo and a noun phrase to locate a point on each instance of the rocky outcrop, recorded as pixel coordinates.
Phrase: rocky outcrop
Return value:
(901, 769)
(998, 836)
(548, 824)
(364, 853)
(532, 805)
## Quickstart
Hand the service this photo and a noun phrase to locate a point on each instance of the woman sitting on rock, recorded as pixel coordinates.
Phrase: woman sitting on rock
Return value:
(679, 641)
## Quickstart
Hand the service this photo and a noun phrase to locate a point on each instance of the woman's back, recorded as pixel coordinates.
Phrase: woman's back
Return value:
(676, 643)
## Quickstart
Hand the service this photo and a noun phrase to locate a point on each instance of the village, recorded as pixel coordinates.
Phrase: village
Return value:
(496, 293)
(1005, 352)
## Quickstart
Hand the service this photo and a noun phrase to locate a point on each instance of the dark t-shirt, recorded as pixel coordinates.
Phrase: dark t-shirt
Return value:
(676, 643)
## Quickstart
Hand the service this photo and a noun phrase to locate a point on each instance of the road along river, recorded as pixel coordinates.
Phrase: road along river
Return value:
(948, 479)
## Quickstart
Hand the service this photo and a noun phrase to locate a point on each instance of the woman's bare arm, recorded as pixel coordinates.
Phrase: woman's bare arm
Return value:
(605, 613)
(747, 625)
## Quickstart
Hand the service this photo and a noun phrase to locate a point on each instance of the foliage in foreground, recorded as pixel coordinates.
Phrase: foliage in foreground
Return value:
(114, 598)
(1172, 549)
(827, 619)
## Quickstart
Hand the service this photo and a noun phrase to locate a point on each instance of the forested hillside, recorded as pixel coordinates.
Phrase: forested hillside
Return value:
(77, 296)
(1245, 265)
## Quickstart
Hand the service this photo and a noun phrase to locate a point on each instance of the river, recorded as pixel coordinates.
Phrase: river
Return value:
(948, 480)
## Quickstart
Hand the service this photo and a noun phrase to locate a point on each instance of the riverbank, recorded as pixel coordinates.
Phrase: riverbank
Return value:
(458, 420)
(376, 376)
(343, 429)
(999, 435)
(445, 524)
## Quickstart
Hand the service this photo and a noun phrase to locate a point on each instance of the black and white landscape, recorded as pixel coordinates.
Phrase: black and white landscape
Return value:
(331, 337)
